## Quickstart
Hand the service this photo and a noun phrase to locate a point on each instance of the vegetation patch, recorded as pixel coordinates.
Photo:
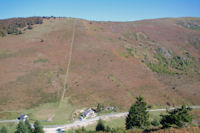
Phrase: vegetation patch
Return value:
(122, 54)
(97, 28)
(41, 60)
(140, 36)
(13, 26)
(130, 51)
(128, 35)
(9, 115)
(189, 25)
(174, 65)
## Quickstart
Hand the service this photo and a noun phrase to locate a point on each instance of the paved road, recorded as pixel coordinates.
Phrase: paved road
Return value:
(78, 124)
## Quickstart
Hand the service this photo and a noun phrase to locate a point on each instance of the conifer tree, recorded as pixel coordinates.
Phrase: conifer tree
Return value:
(21, 128)
(37, 127)
(138, 115)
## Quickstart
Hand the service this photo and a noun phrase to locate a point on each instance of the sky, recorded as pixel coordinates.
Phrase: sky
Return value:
(101, 10)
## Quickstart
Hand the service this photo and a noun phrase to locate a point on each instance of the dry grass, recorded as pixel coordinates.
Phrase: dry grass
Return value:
(98, 53)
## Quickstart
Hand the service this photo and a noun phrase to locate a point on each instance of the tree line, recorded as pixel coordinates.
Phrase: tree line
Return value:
(25, 127)
(14, 25)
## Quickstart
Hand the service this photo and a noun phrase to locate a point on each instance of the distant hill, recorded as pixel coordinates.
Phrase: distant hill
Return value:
(112, 62)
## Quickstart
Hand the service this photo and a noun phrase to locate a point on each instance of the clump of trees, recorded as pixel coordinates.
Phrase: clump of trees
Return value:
(13, 26)
(25, 127)
(179, 117)
(138, 117)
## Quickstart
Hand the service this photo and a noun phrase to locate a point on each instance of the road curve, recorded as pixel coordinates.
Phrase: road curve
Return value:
(78, 124)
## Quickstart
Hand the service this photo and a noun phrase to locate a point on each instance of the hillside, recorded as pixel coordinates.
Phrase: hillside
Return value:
(112, 63)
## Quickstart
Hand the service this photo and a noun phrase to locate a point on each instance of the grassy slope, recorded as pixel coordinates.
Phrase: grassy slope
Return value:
(108, 65)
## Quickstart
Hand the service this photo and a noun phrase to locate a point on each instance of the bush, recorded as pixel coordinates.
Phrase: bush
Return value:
(107, 129)
(155, 122)
(100, 126)
(3, 130)
(20, 32)
(100, 107)
(176, 118)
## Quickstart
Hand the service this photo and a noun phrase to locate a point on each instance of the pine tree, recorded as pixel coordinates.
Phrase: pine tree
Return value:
(178, 117)
(21, 128)
(28, 126)
(138, 115)
(3, 130)
(37, 127)
(100, 126)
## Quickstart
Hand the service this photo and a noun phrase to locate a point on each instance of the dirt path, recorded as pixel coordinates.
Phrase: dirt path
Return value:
(69, 62)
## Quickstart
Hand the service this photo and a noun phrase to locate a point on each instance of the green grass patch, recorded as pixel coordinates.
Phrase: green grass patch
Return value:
(9, 115)
(62, 112)
(41, 61)
(113, 123)
(123, 54)
(11, 127)
(94, 28)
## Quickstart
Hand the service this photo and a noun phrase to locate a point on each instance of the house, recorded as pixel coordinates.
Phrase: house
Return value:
(89, 113)
(22, 117)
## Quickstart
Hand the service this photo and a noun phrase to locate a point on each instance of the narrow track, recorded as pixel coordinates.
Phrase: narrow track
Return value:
(69, 62)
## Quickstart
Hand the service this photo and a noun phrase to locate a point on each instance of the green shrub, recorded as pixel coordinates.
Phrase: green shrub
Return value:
(155, 122)
(41, 60)
(3, 130)
(107, 129)
(100, 108)
(130, 51)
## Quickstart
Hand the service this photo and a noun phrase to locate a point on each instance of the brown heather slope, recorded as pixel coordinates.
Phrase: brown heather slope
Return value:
(110, 63)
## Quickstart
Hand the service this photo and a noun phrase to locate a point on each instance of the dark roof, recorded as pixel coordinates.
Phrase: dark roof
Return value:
(22, 116)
